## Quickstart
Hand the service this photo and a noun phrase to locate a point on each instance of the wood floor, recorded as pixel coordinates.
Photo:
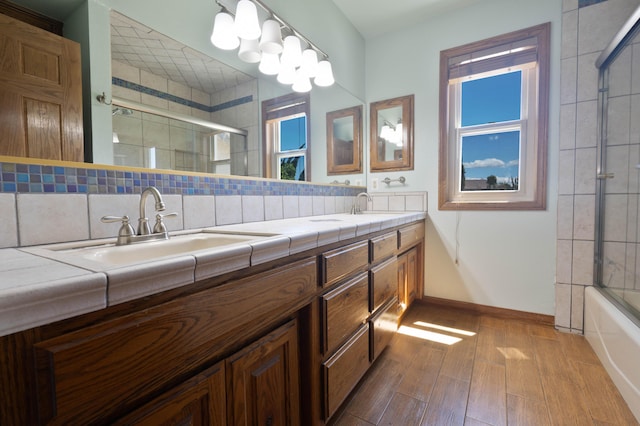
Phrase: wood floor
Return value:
(499, 372)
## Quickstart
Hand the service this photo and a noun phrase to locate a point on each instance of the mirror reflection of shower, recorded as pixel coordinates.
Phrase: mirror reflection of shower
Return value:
(149, 137)
(121, 111)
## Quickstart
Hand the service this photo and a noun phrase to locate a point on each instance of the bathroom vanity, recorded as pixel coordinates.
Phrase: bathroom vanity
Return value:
(282, 341)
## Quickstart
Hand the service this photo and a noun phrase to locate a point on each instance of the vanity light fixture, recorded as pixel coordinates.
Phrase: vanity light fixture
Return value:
(294, 61)
(392, 133)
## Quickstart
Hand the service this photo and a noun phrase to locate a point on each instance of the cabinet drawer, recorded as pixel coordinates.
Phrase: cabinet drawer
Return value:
(384, 283)
(411, 235)
(384, 325)
(99, 370)
(340, 263)
(344, 369)
(383, 246)
(344, 309)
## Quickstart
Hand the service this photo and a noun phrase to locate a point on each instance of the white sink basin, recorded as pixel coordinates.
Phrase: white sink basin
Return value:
(108, 254)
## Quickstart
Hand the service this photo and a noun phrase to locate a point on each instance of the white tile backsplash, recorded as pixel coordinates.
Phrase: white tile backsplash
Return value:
(47, 218)
(273, 207)
(34, 219)
(290, 206)
(305, 205)
(228, 209)
(199, 211)
(8, 221)
(252, 208)
(117, 205)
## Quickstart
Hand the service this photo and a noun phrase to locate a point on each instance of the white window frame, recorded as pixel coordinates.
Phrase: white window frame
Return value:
(279, 154)
(274, 111)
(528, 145)
(529, 52)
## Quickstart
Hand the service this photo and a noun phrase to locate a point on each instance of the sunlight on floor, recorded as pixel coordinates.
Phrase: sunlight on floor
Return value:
(512, 353)
(443, 328)
(428, 335)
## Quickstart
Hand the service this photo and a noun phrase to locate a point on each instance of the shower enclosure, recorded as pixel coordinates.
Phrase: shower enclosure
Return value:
(617, 257)
(145, 136)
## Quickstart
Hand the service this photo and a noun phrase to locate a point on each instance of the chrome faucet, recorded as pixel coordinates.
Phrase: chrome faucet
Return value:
(143, 221)
(126, 234)
(356, 209)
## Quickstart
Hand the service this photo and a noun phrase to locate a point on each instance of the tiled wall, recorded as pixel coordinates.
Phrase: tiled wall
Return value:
(49, 204)
(235, 107)
(587, 27)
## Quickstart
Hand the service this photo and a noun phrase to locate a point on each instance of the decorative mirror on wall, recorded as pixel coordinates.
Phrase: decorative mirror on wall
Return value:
(391, 134)
(344, 141)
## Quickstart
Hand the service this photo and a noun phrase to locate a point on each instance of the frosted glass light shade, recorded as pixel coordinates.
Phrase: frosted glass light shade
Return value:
(249, 51)
(271, 41)
(301, 83)
(292, 53)
(246, 24)
(324, 78)
(309, 64)
(287, 74)
(116, 139)
(269, 64)
(224, 35)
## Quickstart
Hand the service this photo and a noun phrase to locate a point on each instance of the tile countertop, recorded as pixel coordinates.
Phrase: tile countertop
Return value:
(39, 286)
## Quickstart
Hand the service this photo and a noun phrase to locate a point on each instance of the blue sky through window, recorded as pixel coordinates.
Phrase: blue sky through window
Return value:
(293, 134)
(491, 100)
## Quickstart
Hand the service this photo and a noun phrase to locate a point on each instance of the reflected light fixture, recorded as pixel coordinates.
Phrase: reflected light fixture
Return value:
(224, 35)
(295, 60)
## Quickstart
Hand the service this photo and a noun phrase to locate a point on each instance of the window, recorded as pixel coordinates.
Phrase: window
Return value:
(493, 122)
(286, 137)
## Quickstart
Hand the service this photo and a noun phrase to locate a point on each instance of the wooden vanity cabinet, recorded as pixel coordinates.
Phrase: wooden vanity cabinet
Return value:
(105, 370)
(200, 401)
(410, 261)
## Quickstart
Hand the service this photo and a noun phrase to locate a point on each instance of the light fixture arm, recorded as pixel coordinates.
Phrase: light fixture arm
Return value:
(282, 22)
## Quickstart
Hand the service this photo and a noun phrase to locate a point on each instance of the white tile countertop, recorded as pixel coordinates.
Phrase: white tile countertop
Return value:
(43, 284)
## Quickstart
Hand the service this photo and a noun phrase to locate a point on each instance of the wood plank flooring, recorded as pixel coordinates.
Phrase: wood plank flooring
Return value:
(499, 372)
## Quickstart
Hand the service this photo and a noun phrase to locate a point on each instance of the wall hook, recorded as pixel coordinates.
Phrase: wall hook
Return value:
(103, 99)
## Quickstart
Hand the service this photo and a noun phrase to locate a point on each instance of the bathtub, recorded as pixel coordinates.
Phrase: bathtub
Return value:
(616, 340)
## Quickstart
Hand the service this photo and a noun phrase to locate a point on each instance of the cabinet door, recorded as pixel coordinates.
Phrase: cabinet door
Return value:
(402, 283)
(40, 93)
(412, 275)
(263, 381)
(199, 401)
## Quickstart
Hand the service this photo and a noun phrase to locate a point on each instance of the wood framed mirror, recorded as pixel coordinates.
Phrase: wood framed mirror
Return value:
(391, 134)
(344, 141)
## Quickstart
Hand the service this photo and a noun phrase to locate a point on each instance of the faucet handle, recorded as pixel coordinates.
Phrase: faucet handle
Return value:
(126, 230)
(159, 226)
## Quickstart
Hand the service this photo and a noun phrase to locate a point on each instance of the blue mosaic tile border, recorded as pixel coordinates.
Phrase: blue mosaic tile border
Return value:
(177, 99)
(584, 3)
(29, 178)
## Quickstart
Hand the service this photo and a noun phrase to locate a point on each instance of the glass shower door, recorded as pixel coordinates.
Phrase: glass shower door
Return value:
(617, 266)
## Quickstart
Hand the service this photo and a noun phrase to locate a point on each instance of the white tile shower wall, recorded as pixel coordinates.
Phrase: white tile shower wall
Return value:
(585, 32)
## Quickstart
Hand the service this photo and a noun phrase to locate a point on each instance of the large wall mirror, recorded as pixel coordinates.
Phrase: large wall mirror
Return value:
(172, 71)
(391, 134)
(344, 141)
